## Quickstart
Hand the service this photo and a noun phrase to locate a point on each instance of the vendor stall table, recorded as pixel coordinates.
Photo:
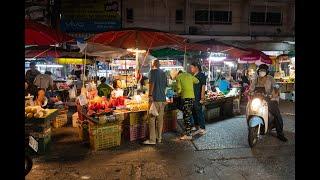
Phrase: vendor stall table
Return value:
(40, 129)
(218, 108)
(286, 86)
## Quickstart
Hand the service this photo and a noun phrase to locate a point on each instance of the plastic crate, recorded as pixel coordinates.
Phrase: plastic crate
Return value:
(60, 121)
(104, 137)
(170, 121)
(212, 114)
(135, 132)
(41, 128)
(83, 130)
(137, 118)
(44, 143)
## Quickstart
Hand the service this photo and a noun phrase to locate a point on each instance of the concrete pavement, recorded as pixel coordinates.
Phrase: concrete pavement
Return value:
(223, 153)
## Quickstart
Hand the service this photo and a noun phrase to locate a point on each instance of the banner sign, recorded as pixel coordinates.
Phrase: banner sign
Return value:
(90, 15)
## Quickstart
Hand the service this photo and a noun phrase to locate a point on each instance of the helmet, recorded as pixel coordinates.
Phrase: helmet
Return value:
(263, 66)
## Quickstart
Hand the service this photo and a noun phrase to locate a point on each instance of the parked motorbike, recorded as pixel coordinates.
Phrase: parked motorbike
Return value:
(259, 120)
(30, 144)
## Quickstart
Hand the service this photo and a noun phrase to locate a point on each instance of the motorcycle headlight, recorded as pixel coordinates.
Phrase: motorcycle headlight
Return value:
(256, 104)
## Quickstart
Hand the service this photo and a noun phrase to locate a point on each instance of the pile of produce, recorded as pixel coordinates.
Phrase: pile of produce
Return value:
(35, 112)
(215, 95)
(98, 106)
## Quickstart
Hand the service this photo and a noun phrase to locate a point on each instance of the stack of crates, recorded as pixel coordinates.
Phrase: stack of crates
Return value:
(40, 130)
(104, 136)
(135, 126)
(61, 120)
(170, 121)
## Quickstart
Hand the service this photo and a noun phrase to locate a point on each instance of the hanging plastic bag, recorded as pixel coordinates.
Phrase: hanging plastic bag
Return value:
(153, 110)
(73, 93)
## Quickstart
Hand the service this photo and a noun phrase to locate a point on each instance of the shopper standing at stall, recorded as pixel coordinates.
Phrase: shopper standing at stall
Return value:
(44, 81)
(157, 86)
(104, 89)
(199, 98)
(31, 74)
(185, 82)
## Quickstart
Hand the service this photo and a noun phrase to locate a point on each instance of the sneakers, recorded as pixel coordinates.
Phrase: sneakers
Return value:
(193, 128)
(148, 142)
(185, 137)
(200, 131)
(159, 141)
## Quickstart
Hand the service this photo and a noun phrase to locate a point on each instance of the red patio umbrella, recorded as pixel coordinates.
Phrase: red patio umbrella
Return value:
(137, 38)
(39, 34)
(49, 51)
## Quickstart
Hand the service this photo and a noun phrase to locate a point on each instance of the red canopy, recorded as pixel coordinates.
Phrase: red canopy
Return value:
(254, 56)
(216, 46)
(39, 34)
(140, 38)
(49, 51)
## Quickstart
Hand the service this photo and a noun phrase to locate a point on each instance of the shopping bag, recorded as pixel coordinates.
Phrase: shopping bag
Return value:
(153, 110)
(72, 93)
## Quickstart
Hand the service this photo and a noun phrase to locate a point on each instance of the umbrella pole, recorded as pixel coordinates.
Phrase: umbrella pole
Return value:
(84, 66)
(125, 66)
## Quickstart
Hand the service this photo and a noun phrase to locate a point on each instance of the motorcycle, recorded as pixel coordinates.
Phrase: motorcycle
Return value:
(259, 120)
(30, 144)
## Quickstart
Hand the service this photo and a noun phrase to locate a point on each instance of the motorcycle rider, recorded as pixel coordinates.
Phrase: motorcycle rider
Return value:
(268, 82)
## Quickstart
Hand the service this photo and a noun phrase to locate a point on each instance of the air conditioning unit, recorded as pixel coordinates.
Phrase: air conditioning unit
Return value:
(193, 30)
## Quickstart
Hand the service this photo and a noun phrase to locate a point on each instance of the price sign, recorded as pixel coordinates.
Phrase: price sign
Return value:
(33, 143)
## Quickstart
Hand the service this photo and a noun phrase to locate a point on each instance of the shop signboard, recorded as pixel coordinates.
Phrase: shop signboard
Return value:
(90, 15)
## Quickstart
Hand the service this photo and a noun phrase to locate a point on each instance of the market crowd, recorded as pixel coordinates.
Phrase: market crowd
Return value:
(190, 88)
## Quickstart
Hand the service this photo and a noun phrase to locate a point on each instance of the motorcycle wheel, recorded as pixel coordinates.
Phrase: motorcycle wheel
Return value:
(27, 165)
(253, 136)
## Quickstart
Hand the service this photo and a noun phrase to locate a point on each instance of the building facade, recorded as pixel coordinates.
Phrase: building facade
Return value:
(202, 19)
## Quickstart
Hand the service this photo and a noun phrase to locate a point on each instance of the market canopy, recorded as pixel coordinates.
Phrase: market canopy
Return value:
(256, 57)
(137, 38)
(39, 34)
(215, 46)
(50, 51)
(168, 52)
(99, 50)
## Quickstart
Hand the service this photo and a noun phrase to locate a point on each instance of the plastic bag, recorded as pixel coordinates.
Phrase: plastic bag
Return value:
(72, 93)
(153, 110)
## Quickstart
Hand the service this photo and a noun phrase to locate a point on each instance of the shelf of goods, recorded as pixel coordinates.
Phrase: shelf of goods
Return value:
(40, 127)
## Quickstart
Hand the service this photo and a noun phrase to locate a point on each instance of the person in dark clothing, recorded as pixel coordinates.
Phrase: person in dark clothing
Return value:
(104, 89)
(31, 74)
(268, 82)
(199, 93)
